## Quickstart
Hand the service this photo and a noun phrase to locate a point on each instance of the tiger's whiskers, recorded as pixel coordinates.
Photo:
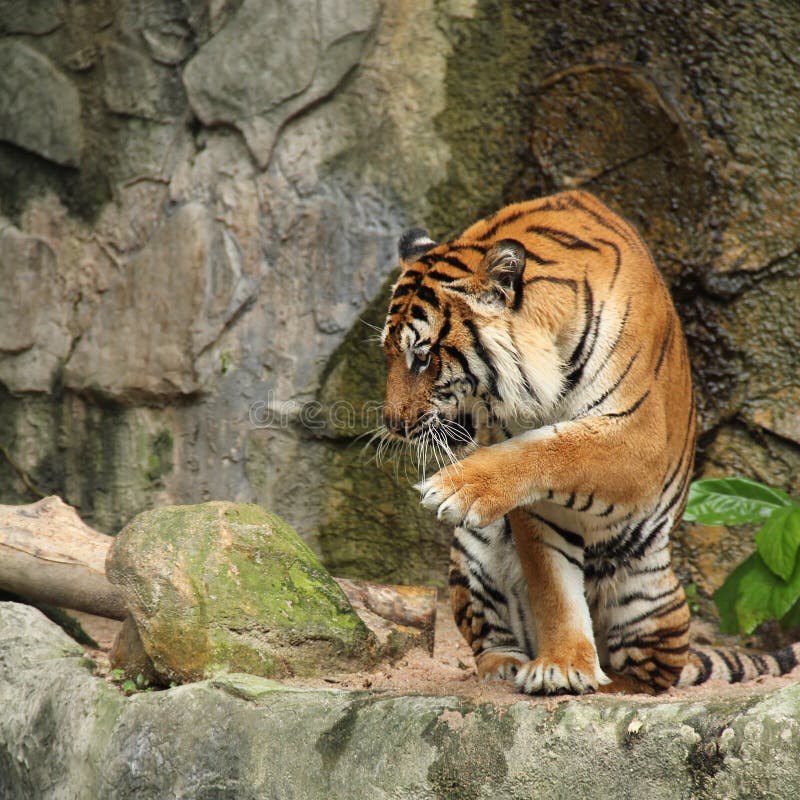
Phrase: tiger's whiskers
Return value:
(432, 445)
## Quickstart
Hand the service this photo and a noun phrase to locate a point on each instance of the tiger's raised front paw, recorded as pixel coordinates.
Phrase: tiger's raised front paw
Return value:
(469, 493)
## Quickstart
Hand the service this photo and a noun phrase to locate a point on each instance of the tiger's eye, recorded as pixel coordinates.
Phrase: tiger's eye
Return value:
(420, 364)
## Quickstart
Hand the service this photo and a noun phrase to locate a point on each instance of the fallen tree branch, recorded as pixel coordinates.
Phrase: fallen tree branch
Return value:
(49, 554)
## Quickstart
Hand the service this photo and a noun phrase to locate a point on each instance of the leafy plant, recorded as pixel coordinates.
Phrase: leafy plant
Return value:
(766, 585)
(692, 597)
(128, 685)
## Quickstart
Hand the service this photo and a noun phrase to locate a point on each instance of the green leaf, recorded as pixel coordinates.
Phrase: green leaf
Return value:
(763, 595)
(791, 619)
(779, 539)
(732, 501)
(129, 687)
(752, 594)
(725, 597)
(692, 597)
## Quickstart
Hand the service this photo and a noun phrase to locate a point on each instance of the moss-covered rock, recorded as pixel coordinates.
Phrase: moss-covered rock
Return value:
(372, 525)
(226, 587)
(354, 380)
(110, 461)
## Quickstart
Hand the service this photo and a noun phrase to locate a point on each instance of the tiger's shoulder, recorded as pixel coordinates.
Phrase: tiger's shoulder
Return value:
(592, 306)
(563, 226)
(578, 206)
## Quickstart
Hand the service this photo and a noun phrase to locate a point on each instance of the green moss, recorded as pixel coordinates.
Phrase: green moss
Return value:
(102, 710)
(373, 525)
(28, 432)
(486, 120)
(248, 514)
(354, 379)
(109, 461)
(257, 465)
(225, 654)
(159, 462)
(226, 362)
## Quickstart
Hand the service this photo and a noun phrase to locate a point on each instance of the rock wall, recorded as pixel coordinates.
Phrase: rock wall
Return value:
(200, 202)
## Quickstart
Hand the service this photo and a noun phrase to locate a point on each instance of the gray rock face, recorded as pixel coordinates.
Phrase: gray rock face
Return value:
(191, 276)
(239, 80)
(33, 295)
(33, 18)
(40, 109)
(207, 284)
(136, 85)
(64, 733)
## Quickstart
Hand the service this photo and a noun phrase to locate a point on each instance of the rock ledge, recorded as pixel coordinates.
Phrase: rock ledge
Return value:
(67, 734)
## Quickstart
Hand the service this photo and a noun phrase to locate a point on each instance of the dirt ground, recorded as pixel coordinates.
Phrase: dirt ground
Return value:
(450, 671)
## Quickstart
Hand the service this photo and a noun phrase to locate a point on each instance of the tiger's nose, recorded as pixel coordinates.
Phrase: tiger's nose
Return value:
(396, 424)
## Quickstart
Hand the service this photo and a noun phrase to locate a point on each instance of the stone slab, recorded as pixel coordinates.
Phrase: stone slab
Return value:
(67, 734)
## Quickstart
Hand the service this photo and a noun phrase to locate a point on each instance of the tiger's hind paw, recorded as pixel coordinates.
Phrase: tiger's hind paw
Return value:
(499, 666)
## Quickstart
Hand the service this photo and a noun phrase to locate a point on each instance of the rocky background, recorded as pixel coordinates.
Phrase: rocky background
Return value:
(199, 205)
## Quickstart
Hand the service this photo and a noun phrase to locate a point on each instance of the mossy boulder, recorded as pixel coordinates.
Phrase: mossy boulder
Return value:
(229, 587)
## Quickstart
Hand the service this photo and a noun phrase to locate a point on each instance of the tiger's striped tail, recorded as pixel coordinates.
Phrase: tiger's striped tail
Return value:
(734, 666)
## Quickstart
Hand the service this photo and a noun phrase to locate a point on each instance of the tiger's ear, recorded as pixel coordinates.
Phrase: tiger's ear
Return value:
(497, 283)
(414, 243)
(504, 265)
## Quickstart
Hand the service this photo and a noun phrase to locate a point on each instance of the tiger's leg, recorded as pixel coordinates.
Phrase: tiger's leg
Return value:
(484, 592)
(642, 620)
(566, 658)
(587, 458)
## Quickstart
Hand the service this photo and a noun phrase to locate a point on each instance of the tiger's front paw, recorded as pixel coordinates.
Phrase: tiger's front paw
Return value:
(469, 493)
(576, 674)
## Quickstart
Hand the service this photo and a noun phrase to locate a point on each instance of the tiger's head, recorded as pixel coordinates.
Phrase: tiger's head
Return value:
(450, 340)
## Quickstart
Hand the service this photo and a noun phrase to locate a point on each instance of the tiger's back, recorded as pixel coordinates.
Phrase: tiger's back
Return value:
(546, 333)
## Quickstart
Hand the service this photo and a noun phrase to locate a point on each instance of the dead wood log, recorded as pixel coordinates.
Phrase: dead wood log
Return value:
(47, 553)
(394, 610)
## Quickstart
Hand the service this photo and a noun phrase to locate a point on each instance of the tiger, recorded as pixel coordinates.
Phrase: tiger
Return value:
(541, 353)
